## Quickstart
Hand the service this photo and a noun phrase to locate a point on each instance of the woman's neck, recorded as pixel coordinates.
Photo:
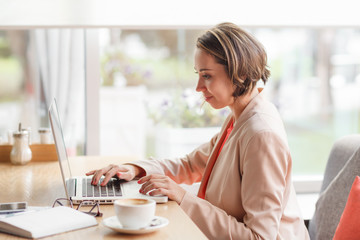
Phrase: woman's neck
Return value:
(241, 102)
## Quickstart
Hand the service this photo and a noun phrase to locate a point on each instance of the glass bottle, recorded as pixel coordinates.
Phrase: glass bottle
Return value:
(45, 135)
(20, 153)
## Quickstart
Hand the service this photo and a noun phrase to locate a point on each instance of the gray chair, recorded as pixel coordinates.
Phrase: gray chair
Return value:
(342, 167)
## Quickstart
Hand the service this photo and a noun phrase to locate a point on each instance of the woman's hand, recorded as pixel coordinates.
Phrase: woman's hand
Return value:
(126, 172)
(159, 184)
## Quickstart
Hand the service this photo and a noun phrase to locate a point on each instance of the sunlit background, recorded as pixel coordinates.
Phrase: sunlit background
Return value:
(148, 104)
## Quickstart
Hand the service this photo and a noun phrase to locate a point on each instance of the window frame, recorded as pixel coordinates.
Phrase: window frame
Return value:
(92, 92)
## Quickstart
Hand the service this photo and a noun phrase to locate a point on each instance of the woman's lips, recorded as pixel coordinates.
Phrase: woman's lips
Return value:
(207, 98)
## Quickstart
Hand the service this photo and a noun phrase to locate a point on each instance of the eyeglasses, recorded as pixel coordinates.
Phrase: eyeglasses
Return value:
(83, 204)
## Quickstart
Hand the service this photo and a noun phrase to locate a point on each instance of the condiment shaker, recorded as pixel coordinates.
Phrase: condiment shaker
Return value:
(21, 152)
(45, 136)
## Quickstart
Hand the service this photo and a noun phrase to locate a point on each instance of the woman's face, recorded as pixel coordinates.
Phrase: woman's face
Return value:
(214, 82)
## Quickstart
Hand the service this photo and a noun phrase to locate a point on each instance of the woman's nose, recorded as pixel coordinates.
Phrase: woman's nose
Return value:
(200, 87)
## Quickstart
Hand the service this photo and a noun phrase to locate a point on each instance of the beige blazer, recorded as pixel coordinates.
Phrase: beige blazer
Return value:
(249, 194)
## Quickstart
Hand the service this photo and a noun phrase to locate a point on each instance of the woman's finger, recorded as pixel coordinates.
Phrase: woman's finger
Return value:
(98, 174)
(153, 186)
(151, 176)
(109, 175)
(126, 175)
(145, 181)
(159, 191)
(90, 173)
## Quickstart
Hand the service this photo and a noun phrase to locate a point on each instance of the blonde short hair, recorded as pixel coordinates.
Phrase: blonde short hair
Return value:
(243, 56)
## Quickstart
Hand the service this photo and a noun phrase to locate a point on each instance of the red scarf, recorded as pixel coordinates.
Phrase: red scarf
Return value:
(211, 164)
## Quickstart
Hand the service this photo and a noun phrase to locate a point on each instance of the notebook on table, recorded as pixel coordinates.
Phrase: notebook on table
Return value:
(79, 188)
(46, 222)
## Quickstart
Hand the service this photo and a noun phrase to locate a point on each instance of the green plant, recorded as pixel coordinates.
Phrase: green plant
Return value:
(115, 64)
(184, 109)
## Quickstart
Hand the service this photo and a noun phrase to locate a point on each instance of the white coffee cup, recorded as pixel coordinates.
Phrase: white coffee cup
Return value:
(135, 213)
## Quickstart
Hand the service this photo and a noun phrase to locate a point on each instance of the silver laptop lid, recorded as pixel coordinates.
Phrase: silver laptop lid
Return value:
(60, 144)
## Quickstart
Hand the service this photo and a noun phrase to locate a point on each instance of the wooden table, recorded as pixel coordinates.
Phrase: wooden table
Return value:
(40, 183)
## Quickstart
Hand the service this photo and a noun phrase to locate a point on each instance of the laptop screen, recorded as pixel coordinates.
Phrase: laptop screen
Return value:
(59, 142)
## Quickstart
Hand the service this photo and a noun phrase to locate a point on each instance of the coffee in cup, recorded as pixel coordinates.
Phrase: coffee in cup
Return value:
(135, 213)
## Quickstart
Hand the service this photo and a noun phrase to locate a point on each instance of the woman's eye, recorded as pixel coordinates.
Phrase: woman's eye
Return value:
(205, 76)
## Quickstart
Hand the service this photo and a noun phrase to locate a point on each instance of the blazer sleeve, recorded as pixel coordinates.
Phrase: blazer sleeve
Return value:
(264, 172)
(188, 169)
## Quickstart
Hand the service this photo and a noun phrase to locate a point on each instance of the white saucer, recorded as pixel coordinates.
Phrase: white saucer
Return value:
(155, 224)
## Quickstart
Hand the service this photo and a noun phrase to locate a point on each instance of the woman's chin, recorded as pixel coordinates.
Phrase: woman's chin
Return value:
(216, 106)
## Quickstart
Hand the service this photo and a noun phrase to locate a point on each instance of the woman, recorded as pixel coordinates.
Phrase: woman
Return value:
(245, 170)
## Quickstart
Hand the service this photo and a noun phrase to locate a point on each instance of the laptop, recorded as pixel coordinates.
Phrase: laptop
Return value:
(79, 188)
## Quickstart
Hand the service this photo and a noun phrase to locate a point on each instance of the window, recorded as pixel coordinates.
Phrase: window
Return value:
(36, 66)
(147, 88)
(314, 84)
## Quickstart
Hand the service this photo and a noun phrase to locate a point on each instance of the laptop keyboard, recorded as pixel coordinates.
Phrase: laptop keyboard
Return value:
(112, 188)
